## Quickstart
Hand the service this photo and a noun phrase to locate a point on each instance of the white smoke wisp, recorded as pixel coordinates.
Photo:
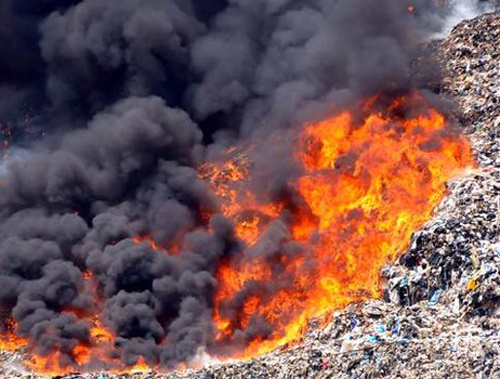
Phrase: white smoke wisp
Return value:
(461, 10)
(203, 359)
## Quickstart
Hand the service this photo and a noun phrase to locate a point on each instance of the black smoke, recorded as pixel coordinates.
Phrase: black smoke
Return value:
(116, 103)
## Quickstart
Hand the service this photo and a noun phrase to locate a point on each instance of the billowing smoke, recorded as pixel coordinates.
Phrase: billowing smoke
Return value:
(458, 10)
(117, 102)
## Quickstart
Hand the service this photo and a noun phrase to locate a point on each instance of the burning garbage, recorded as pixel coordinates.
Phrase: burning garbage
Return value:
(360, 198)
(225, 195)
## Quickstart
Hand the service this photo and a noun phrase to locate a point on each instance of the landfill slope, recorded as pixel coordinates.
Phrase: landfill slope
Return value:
(439, 316)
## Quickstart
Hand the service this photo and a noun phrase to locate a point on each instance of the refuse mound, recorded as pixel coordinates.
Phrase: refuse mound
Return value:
(439, 316)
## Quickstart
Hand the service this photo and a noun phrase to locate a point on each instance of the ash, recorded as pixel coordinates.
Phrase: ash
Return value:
(439, 316)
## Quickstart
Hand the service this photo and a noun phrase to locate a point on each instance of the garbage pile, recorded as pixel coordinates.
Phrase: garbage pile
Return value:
(470, 57)
(378, 339)
(439, 316)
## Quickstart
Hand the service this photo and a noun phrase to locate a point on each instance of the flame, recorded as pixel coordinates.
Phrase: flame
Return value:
(366, 185)
(85, 356)
(174, 247)
(150, 241)
(8, 339)
(238, 203)
(365, 180)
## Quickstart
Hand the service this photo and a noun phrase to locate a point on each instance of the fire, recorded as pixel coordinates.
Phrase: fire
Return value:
(151, 242)
(85, 357)
(364, 180)
(366, 184)
(8, 339)
(238, 203)
(173, 247)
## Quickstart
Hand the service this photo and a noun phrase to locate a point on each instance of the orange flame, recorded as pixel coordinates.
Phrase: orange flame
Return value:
(8, 340)
(236, 202)
(97, 352)
(85, 356)
(363, 185)
(366, 186)
(151, 242)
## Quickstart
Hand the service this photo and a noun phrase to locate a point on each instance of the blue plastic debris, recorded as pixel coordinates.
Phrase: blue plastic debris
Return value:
(395, 329)
(435, 297)
(380, 328)
(354, 322)
(404, 281)
(404, 342)
(372, 338)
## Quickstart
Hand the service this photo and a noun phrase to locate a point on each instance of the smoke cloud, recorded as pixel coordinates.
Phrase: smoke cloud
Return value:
(116, 104)
(458, 10)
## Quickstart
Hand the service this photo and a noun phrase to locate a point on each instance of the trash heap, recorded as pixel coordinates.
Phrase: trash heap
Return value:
(470, 56)
(440, 312)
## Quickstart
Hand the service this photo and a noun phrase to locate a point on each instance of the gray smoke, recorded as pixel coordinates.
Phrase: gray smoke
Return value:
(459, 10)
(116, 103)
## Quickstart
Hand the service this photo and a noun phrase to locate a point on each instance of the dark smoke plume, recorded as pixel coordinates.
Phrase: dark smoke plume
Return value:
(128, 94)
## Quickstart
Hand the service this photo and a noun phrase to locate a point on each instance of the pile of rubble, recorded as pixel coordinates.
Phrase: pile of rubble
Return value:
(440, 315)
